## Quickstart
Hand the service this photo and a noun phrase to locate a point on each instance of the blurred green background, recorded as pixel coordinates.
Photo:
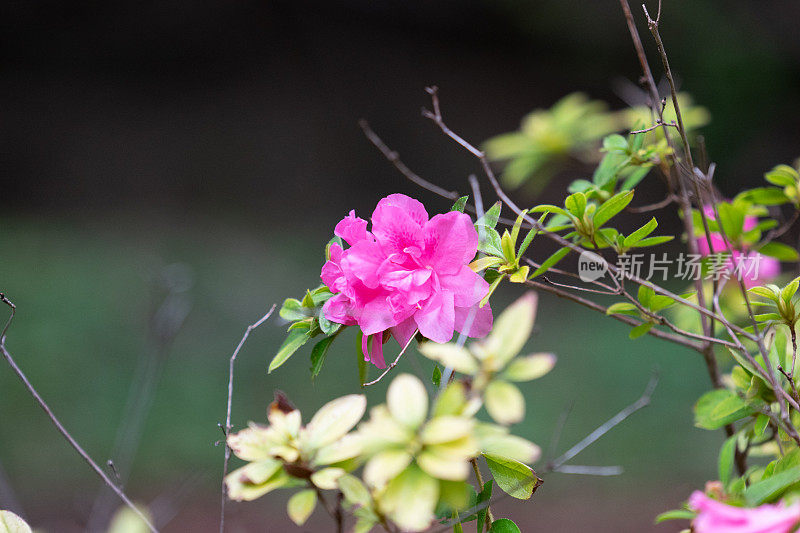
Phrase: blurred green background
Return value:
(214, 145)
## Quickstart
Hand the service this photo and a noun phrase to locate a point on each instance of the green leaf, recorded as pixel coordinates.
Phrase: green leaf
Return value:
(640, 330)
(294, 340)
(676, 514)
(789, 290)
(327, 327)
(771, 487)
(492, 288)
(765, 196)
(460, 203)
(731, 218)
(726, 458)
(653, 241)
(762, 421)
(782, 176)
(623, 308)
(611, 207)
(301, 505)
(504, 525)
(576, 204)
(764, 292)
(489, 241)
(641, 233)
(551, 261)
(293, 310)
(490, 218)
(719, 407)
(635, 177)
(779, 251)
(514, 478)
(507, 246)
(436, 378)
(318, 354)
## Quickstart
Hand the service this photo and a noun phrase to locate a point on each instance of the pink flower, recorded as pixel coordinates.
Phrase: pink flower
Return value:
(717, 517)
(753, 267)
(409, 273)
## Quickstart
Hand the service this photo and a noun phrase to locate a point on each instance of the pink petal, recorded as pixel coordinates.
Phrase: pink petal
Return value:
(467, 286)
(338, 309)
(717, 517)
(351, 228)
(398, 233)
(363, 260)
(450, 242)
(412, 208)
(481, 318)
(377, 315)
(403, 331)
(436, 320)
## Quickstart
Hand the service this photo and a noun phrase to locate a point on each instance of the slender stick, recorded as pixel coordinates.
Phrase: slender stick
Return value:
(227, 428)
(641, 403)
(479, 479)
(59, 426)
(394, 363)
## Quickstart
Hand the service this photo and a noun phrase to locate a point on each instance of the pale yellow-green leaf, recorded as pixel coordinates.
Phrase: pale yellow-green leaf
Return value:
(354, 490)
(301, 505)
(510, 446)
(451, 401)
(11, 523)
(343, 449)
(255, 479)
(384, 466)
(510, 331)
(529, 367)
(407, 400)
(443, 466)
(382, 431)
(410, 499)
(252, 444)
(504, 402)
(125, 520)
(287, 424)
(334, 420)
(445, 429)
(451, 355)
(327, 477)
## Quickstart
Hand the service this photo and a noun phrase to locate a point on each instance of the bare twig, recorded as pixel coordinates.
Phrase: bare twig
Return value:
(611, 423)
(227, 428)
(655, 126)
(394, 363)
(59, 426)
(479, 479)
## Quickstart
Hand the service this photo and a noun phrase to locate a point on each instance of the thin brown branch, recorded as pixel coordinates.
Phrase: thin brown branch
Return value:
(227, 428)
(59, 426)
(394, 363)
(654, 206)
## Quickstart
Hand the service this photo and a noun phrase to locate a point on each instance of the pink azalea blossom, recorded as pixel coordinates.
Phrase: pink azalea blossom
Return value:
(409, 273)
(716, 517)
(755, 268)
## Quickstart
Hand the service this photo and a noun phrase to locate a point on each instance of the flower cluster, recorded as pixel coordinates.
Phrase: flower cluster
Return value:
(768, 267)
(717, 517)
(408, 274)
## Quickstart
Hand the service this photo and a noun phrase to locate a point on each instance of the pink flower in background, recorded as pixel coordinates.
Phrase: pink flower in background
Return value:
(717, 517)
(755, 268)
(409, 273)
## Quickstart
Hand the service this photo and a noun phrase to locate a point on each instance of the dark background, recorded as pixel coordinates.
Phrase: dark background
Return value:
(223, 136)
